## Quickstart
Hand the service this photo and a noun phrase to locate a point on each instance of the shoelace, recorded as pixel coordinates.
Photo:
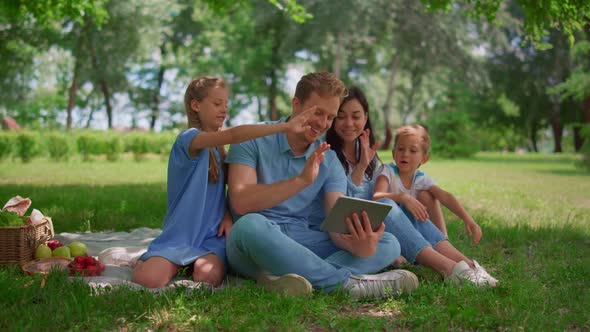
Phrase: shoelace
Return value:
(374, 288)
(480, 269)
(472, 276)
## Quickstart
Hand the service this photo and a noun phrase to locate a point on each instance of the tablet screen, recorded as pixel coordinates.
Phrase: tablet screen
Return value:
(345, 206)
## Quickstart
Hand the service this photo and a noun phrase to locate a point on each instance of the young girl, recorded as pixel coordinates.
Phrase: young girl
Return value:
(197, 219)
(403, 182)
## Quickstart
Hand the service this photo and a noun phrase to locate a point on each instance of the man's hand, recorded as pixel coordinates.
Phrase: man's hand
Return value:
(299, 123)
(362, 240)
(368, 152)
(417, 209)
(312, 165)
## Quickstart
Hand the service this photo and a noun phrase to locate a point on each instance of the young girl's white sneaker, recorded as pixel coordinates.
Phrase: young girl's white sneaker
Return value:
(463, 273)
(484, 274)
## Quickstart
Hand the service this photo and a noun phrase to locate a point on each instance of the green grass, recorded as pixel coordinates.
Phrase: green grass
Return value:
(534, 211)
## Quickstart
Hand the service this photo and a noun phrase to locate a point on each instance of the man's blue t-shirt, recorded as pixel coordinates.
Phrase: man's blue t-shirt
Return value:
(274, 161)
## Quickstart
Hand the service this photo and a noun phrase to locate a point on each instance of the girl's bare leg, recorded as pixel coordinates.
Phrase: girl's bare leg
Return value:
(155, 272)
(448, 250)
(209, 269)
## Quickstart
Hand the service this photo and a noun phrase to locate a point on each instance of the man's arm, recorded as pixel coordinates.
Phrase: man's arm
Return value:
(247, 195)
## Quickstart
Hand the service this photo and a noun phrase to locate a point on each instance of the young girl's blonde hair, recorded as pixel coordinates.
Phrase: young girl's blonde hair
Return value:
(417, 130)
(198, 89)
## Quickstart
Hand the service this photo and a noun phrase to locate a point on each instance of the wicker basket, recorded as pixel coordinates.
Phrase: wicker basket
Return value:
(18, 244)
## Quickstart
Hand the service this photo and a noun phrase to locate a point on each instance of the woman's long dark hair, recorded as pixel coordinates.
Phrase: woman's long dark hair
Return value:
(336, 142)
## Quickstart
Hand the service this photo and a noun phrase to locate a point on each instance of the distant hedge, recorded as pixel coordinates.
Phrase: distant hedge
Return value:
(61, 146)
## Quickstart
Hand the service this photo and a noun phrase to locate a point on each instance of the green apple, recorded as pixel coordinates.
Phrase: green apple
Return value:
(77, 249)
(42, 251)
(62, 252)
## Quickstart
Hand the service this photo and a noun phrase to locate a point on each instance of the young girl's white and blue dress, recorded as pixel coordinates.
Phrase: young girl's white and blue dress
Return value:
(195, 207)
(412, 243)
(420, 181)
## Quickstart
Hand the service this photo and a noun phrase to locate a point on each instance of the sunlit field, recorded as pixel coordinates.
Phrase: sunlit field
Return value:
(534, 211)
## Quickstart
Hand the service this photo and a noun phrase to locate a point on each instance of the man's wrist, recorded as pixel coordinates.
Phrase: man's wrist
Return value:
(299, 180)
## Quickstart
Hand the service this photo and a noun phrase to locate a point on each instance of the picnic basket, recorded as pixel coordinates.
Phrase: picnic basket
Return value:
(18, 243)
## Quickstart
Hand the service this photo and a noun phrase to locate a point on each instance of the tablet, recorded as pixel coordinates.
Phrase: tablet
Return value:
(345, 206)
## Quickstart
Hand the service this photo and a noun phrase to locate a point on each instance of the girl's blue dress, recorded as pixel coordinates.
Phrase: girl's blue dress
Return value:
(195, 207)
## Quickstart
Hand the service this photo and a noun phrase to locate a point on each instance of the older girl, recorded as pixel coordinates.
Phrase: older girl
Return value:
(197, 219)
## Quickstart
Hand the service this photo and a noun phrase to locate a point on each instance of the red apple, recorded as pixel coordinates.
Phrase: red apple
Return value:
(53, 243)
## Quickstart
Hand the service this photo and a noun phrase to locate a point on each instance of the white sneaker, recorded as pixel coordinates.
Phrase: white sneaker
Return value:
(381, 285)
(483, 273)
(288, 284)
(462, 273)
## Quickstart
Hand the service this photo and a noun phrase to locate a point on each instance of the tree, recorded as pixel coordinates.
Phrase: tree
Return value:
(54, 11)
(104, 55)
(577, 87)
(567, 16)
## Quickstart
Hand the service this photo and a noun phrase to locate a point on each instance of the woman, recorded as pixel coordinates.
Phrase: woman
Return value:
(351, 138)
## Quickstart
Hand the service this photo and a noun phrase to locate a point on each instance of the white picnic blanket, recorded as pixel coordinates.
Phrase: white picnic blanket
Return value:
(119, 251)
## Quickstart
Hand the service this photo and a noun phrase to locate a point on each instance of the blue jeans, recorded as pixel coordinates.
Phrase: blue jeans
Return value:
(257, 244)
(413, 235)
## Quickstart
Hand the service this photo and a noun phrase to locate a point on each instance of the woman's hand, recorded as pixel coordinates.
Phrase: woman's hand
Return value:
(368, 152)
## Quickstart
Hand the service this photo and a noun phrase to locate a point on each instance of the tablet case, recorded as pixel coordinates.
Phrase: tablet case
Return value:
(345, 206)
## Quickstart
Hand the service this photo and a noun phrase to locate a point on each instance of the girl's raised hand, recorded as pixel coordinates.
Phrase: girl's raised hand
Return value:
(368, 152)
(299, 123)
(312, 165)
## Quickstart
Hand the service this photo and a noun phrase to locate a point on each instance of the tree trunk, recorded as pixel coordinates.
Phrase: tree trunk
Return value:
(533, 134)
(578, 138)
(107, 101)
(338, 55)
(272, 95)
(77, 64)
(72, 93)
(259, 109)
(555, 116)
(90, 116)
(415, 82)
(556, 126)
(275, 62)
(156, 96)
(388, 101)
(103, 86)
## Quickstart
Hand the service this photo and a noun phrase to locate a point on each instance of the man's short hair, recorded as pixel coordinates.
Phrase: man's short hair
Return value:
(325, 84)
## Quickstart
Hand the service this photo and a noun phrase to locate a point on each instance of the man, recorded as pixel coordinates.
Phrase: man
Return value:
(272, 182)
